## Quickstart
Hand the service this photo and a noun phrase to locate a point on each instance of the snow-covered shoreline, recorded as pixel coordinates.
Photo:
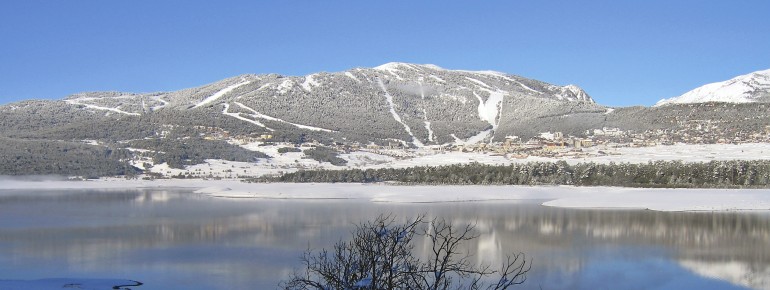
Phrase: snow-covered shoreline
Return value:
(555, 196)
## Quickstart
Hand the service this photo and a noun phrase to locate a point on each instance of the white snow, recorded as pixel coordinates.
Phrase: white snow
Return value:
(736, 90)
(457, 140)
(163, 103)
(392, 68)
(577, 91)
(427, 125)
(238, 116)
(480, 137)
(687, 153)
(505, 77)
(293, 161)
(560, 196)
(609, 111)
(425, 113)
(82, 101)
(739, 273)
(434, 67)
(490, 109)
(350, 75)
(267, 85)
(667, 200)
(526, 87)
(478, 82)
(221, 93)
(393, 112)
(483, 72)
(285, 87)
(310, 82)
(389, 66)
(95, 107)
(438, 68)
(256, 114)
(570, 92)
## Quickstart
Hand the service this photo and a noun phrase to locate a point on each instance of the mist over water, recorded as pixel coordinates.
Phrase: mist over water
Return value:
(177, 239)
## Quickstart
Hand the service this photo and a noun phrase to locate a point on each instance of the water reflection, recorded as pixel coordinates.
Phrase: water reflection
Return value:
(175, 239)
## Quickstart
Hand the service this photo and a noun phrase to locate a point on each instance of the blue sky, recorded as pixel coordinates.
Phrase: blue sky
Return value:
(621, 52)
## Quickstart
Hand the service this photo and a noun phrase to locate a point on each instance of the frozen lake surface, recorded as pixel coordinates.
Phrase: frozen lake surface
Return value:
(178, 239)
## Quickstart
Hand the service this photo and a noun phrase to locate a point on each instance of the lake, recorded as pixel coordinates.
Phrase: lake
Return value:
(176, 239)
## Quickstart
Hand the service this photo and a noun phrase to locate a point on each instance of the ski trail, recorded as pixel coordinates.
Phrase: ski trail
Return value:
(427, 126)
(393, 112)
(478, 82)
(520, 84)
(266, 117)
(238, 116)
(425, 113)
(116, 110)
(528, 88)
(221, 93)
(490, 110)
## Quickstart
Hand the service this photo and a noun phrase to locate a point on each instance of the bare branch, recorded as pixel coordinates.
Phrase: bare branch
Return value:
(380, 255)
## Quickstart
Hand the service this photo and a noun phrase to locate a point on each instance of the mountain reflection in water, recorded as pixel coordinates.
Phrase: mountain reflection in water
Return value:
(177, 239)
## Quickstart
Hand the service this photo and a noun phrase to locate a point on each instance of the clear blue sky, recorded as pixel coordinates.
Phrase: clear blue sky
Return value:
(621, 52)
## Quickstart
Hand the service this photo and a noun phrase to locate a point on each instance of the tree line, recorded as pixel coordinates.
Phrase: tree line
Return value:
(45, 157)
(181, 152)
(713, 174)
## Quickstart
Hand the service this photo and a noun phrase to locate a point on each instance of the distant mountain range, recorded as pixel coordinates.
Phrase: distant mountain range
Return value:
(409, 104)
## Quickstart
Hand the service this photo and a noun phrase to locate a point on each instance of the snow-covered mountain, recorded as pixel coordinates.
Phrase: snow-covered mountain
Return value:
(413, 104)
(753, 87)
(96, 133)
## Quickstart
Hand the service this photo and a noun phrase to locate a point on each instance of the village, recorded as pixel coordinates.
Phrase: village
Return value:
(597, 142)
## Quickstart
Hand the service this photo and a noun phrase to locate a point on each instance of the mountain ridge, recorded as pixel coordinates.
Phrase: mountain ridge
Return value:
(411, 104)
(748, 88)
(409, 92)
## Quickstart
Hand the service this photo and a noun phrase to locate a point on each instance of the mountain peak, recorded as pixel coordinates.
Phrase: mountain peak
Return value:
(401, 65)
(390, 66)
(748, 88)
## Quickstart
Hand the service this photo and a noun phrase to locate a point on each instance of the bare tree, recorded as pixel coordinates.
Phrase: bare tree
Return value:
(381, 256)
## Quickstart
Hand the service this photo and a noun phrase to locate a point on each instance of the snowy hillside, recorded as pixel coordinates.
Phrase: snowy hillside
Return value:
(753, 87)
(414, 105)
(393, 106)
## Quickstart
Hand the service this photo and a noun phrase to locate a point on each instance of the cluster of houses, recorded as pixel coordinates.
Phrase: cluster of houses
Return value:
(547, 144)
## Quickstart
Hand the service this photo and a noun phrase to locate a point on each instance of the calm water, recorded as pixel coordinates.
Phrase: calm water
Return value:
(180, 240)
